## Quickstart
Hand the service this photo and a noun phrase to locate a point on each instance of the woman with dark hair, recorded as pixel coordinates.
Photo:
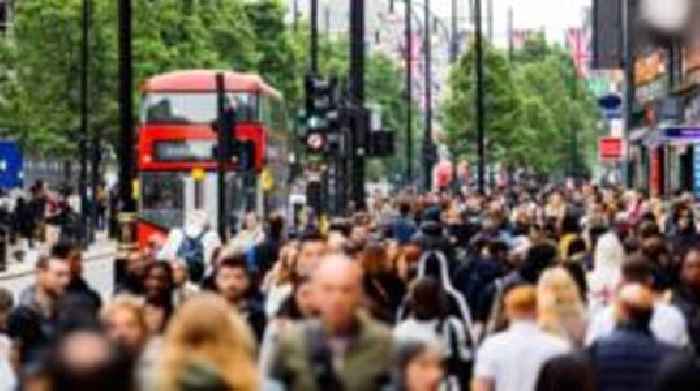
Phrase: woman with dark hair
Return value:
(684, 235)
(158, 286)
(383, 288)
(570, 372)
(418, 367)
(429, 319)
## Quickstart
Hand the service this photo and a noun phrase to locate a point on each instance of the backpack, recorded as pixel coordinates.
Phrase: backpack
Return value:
(457, 304)
(191, 250)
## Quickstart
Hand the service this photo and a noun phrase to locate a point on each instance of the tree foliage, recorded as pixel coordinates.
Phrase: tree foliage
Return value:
(40, 88)
(533, 105)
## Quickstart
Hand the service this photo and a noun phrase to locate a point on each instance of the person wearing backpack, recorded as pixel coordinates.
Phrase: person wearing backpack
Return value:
(429, 319)
(194, 244)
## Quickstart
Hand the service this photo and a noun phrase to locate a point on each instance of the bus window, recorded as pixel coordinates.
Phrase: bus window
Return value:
(195, 107)
(162, 199)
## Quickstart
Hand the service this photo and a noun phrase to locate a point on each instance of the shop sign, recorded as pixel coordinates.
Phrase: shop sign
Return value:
(681, 133)
(696, 170)
(610, 148)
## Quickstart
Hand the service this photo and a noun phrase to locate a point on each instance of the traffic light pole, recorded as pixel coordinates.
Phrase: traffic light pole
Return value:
(357, 90)
(84, 126)
(428, 135)
(126, 145)
(314, 37)
(409, 91)
(480, 98)
(221, 154)
(628, 49)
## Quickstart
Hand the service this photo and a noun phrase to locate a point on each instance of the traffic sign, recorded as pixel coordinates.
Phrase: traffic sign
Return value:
(315, 141)
(610, 148)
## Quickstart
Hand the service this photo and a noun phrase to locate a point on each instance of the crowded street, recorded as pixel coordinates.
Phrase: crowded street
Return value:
(349, 195)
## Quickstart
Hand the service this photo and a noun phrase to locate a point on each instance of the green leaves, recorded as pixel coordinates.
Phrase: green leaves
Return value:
(533, 103)
(40, 68)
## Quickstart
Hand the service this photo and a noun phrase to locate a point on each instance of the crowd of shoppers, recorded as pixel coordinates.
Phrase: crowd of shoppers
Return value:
(538, 287)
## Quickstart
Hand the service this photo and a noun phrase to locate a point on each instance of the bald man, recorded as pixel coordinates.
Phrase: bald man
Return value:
(344, 348)
(629, 358)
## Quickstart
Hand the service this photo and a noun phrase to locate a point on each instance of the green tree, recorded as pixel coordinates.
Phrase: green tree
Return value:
(500, 103)
(533, 105)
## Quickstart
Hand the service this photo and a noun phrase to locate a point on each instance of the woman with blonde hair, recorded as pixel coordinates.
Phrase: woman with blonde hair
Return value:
(559, 306)
(207, 345)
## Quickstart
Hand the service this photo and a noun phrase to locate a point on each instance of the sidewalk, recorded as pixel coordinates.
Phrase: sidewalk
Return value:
(102, 248)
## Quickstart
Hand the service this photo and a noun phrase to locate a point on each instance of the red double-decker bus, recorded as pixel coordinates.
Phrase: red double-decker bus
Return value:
(176, 157)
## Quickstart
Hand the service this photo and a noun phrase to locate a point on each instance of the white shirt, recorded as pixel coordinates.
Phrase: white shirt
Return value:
(210, 241)
(667, 323)
(513, 359)
(8, 382)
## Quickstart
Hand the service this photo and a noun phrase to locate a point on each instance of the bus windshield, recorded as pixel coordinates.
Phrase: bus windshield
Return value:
(195, 107)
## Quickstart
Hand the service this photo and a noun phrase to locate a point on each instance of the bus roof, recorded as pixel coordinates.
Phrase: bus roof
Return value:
(205, 80)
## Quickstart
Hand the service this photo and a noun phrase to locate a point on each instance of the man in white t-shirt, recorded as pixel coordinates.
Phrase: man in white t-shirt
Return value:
(667, 322)
(511, 360)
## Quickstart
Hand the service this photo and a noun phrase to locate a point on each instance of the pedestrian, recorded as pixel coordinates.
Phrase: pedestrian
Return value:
(158, 287)
(250, 235)
(124, 322)
(687, 296)
(603, 280)
(343, 349)
(560, 309)
(569, 372)
(404, 226)
(511, 360)
(24, 221)
(194, 243)
(629, 358)
(667, 323)
(278, 283)
(183, 288)
(684, 235)
(131, 280)
(31, 325)
(266, 253)
(418, 366)
(234, 283)
(6, 305)
(86, 360)
(429, 319)
(207, 347)
(382, 286)
(312, 248)
(680, 373)
(78, 284)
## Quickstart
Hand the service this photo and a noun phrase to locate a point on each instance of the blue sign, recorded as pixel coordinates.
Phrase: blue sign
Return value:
(696, 170)
(682, 133)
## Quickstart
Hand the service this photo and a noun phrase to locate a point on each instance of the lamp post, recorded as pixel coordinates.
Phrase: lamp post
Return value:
(480, 96)
(84, 126)
(126, 136)
(428, 131)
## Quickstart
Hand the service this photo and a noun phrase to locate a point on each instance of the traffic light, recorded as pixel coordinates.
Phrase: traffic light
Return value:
(321, 103)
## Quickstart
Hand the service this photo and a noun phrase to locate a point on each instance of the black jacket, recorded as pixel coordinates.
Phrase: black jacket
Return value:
(689, 304)
(628, 359)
